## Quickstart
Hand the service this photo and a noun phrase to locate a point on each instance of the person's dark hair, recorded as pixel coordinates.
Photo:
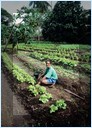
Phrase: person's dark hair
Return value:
(48, 61)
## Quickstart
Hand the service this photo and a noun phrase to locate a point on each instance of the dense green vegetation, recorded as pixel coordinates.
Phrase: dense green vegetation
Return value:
(68, 22)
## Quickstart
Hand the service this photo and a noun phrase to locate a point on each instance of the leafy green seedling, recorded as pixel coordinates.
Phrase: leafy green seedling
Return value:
(33, 90)
(43, 98)
(40, 89)
(53, 108)
(61, 103)
(48, 95)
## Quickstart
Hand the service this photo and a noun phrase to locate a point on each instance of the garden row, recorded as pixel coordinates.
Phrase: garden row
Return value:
(18, 73)
(35, 89)
(66, 63)
(76, 57)
(74, 52)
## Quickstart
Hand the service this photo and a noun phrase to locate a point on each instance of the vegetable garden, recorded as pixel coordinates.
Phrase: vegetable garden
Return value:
(61, 33)
(51, 106)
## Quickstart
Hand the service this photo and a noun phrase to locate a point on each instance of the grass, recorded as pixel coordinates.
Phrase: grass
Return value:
(52, 45)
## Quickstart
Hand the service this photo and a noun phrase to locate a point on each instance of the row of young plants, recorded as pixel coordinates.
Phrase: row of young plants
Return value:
(64, 51)
(66, 63)
(86, 57)
(37, 89)
(18, 73)
(82, 67)
(56, 45)
(51, 46)
(45, 97)
(34, 88)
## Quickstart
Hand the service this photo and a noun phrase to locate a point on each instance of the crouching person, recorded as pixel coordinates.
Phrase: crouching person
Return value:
(50, 75)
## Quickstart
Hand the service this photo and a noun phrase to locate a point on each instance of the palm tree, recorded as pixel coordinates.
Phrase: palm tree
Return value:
(42, 6)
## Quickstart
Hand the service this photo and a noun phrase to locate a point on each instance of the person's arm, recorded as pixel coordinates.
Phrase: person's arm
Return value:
(48, 74)
(44, 77)
(41, 75)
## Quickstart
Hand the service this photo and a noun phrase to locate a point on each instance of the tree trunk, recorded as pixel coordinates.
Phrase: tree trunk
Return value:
(17, 47)
(8, 41)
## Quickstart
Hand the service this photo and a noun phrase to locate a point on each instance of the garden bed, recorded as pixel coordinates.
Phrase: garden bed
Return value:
(77, 112)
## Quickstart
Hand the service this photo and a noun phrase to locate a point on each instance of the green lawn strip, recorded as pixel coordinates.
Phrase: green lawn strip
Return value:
(50, 45)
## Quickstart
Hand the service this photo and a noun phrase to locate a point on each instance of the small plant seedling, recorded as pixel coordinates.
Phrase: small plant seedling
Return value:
(45, 98)
(33, 90)
(53, 108)
(48, 95)
(41, 89)
(59, 104)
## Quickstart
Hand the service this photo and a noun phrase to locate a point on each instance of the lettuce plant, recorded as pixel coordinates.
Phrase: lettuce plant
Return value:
(45, 97)
(33, 90)
(58, 105)
(53, 108)
(40, 89)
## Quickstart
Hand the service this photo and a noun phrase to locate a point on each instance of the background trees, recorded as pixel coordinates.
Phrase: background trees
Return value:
(42, 6)
(66, 23)
(6, 20)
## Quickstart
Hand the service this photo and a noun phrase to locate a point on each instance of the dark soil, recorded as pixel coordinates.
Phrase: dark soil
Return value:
(78, 112)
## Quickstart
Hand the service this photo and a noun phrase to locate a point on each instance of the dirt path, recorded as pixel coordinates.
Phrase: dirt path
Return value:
(7, 104)
(12, 111)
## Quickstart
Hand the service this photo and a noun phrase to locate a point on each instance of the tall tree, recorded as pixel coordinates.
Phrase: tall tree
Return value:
(65, 22)
(32, 19)
(6, 21)
(42, 6)
(6, 17)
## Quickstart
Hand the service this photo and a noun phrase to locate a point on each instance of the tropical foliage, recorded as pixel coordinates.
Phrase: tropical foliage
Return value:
(42, 6)
(66, 23)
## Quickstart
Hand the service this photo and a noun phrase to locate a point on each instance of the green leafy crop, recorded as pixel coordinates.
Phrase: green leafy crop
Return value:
(45, 97)
(40, 89)
(33, 90)
(53, 108)
(61, 104)
(58, 105)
